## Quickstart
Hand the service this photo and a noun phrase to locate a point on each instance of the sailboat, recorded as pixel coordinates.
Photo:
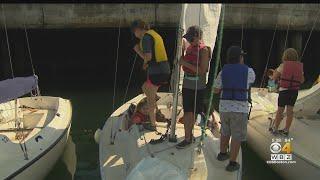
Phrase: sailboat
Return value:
(33, 130)
(303, 132)
(128, 154)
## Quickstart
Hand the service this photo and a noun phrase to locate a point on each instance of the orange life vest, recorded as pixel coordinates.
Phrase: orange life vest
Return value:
(138, 117)
(191, 57)
(291, 75)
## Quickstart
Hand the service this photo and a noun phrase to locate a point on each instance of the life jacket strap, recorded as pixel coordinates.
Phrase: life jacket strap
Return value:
(236, 89)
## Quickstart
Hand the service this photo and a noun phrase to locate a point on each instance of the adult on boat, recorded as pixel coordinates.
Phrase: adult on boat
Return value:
(233, 81)
(195, 64)
(291, 76)
(152, 50)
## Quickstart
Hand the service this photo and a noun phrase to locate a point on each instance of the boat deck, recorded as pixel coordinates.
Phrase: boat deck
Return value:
(119, 159)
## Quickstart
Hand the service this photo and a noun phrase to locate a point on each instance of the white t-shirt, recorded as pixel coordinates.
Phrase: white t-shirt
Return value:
(232, 105)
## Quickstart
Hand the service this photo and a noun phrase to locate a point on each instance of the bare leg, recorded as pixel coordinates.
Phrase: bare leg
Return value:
(188, 125)
(289, 117)
(278, 117)
(224, 142)
(151, 92)
(235, 146)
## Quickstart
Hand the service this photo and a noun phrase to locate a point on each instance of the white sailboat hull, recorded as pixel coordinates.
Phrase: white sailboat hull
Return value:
(304, 130)
(49, 121)
(41, 167)
(120, 160)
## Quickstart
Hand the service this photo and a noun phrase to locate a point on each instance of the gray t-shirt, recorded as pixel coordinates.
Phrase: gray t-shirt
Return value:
(154, 67)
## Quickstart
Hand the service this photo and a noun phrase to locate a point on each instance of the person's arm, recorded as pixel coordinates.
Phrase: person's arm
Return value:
(217, 84)
(277, 73)
(302, 79)
(204, 62)
(146, 53)
(145, 56)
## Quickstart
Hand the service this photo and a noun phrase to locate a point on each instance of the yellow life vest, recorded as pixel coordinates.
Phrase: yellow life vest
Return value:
(159, 49)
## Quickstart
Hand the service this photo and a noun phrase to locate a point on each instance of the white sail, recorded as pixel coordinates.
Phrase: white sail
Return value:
(16, 87)
(206, 16)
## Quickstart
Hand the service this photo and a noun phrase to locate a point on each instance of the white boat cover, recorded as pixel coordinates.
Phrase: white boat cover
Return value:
(16, 87)
(156, 169)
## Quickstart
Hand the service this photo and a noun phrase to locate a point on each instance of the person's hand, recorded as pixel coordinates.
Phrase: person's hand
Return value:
(136, 48)
(145, 66)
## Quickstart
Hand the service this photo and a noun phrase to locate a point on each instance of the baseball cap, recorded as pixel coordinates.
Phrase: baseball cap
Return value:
(192, 32)
(234, 52)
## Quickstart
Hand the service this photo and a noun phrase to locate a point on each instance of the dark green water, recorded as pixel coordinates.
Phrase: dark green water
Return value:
(90, 110)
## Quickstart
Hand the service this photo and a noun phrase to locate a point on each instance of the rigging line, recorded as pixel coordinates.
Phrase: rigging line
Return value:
(116, 66)
(241, 29)
(7, 39)
(218, 59)
(28, 47)
(268, 58)
(313, 26)
(197, 75)
(12, 74)
(112, 137)
(287, 32)
(130, 76)
(37, 93)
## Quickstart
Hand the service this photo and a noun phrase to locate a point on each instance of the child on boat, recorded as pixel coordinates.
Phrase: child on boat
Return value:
(141, 113)
(233, 81)
(272, 84)
(291, 76)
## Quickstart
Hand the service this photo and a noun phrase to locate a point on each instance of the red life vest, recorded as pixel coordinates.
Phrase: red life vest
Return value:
(191, 57)
(291, 75)
(138, 117)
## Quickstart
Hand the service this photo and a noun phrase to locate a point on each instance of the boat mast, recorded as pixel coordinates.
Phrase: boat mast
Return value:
(172, 136)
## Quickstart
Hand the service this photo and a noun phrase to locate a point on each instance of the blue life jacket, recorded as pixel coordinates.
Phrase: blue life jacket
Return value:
(235, 82)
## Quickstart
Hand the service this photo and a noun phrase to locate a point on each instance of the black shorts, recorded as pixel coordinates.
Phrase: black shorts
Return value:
(188, 100)
(287, 98)
(158, 79)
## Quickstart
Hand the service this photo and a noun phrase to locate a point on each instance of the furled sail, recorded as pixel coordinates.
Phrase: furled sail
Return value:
(206, 16)
(16, 87)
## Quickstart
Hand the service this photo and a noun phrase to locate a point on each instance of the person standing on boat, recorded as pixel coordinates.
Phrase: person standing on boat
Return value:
(233, 81)
(195, 66)
(152, 50)
(291, 76)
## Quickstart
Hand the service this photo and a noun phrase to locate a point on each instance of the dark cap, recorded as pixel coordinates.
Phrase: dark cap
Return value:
(139, 24)
(234, 53)
(193, 31)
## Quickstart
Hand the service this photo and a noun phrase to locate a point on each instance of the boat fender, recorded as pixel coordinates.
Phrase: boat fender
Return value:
(97, 135)
(38, 137)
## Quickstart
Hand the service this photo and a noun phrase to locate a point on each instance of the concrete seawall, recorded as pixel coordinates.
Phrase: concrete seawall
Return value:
(252, 16)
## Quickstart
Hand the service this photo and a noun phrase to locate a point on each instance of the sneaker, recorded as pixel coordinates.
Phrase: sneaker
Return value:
(275, 132)
(183, 144)
(222, 156)
(233, 166)
(284, 132)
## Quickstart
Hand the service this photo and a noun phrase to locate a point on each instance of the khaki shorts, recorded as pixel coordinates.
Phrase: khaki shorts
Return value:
(234, 124)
